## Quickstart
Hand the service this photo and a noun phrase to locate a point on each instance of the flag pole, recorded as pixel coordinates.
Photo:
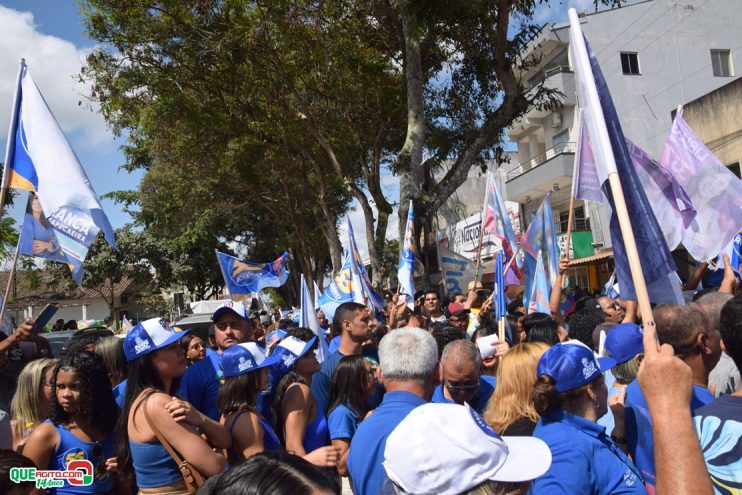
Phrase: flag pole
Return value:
(479, 250)
(224, 276)
(10, 278)
(10, 143)
(510, 261)
(582, 62)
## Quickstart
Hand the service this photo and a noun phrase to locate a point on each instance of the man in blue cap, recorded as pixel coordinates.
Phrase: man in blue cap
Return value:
(201, 382)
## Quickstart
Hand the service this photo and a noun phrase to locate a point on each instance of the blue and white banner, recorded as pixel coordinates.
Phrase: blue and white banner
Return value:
(41, 160)
(457, 271)
(612, 156)
(308, 319)
(245, 277)
(406, 270)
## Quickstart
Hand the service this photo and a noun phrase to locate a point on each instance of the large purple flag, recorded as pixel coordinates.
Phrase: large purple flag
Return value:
(671, 205)
(715, 191)
(585, 181)
(654, 254)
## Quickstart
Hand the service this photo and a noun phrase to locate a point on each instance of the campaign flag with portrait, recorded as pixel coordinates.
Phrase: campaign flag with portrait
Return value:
(40, 159)
(715, 191)
(497, 220)
(37, 235)
(245, 277)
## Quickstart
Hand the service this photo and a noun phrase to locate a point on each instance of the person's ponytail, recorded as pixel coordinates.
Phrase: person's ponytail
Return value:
(545, 396)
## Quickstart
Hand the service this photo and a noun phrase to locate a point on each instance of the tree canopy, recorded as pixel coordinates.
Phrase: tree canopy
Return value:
(257, 123)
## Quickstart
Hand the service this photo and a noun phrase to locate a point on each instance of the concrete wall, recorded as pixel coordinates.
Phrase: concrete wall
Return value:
(715, 118)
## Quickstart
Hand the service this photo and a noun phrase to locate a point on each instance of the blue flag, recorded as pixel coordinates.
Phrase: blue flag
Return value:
(40, 159)
(499, 305)
(244, 277)
(736, 248)
(538, 298)
(308, 319)
(406, 271)
(351, 283)
(540, 242)
(654, 255)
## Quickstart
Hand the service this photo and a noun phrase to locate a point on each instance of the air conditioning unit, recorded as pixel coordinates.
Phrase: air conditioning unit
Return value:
(555, 119)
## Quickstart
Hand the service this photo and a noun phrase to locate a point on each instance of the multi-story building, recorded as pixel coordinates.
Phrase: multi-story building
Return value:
(655, 55)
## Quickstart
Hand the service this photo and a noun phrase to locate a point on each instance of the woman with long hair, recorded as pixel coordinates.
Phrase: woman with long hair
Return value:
(245, 370)
(30, 405)
(111, 349)
(352, 384)
(194, 347)
(299, 419)
(570, 395)
(81, 423)
(510, 411)
(156, 363)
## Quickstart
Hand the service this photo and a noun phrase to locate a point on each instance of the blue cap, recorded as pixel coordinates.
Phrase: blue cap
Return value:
(230, 307)
(625, 341)
(288, 351)
(148, 336)
(244, 358)
(572, 364)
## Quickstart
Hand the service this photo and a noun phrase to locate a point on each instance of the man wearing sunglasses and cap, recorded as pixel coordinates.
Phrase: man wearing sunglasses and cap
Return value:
(201, 382)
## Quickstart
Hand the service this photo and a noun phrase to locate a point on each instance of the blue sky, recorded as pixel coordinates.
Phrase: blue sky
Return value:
(49, 34)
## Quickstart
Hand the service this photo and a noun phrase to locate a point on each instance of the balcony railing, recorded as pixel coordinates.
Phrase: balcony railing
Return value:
(547, 74)
(542, 158)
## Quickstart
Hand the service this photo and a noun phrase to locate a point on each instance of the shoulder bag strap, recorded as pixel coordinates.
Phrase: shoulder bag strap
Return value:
(193, 479)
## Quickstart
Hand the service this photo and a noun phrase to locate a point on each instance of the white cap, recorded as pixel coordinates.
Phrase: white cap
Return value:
(446, 449)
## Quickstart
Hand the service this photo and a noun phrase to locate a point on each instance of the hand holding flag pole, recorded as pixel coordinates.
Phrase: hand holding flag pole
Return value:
(605, 156)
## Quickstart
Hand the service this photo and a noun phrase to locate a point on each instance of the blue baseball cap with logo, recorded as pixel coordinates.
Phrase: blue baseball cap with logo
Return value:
(233, 307)
(625, 341)
(289, 351)
(244, 358)
(148, 336)
(572, 364)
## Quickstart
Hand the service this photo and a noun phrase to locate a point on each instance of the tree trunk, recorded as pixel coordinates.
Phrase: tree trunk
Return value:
(410, 158)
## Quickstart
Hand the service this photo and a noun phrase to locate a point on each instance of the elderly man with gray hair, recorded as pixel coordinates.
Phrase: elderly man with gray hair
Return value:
(408, 369)
(460, 377)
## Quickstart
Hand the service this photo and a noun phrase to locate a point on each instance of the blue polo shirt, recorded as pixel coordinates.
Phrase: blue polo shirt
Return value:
(367, 474)
(343, 422)
(480, 400)
(200, 384)
(639, 437)
(584, 459)
(322, 379)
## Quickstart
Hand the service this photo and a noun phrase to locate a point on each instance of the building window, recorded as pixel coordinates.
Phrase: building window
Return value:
(630, 63)
(721, 62)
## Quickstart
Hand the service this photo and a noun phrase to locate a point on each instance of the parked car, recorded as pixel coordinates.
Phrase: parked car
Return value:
(60, 341)
(198, 324)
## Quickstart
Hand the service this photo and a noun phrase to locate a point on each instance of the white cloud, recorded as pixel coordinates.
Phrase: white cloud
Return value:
(54, 64)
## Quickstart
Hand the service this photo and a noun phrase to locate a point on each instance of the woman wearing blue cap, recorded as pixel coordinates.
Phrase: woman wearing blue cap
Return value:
(245, 376)
(570, 395)
(153, 421)
(298, 416)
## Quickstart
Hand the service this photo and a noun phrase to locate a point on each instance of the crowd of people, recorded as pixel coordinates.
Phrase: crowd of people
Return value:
(431, 400)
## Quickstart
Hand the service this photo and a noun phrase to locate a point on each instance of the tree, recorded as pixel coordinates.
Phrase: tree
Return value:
(105, 267)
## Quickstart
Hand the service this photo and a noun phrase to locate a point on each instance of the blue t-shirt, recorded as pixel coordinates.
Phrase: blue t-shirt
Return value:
(584, 460)
(639, 437)
(119, 394)
(719, 428)
(343, 422)
(200, 384)
(334, 344)
(322, 379)
(480, 400)
(365, 467)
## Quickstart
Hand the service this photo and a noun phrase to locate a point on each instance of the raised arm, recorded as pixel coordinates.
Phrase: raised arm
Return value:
(667, 382)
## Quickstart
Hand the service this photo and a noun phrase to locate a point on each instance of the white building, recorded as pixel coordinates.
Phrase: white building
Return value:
(655, 55)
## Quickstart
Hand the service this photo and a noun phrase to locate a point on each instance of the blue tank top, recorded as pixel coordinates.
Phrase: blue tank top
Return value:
(271, 443)
(153, 466)
(72, 448)
(318, 432)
